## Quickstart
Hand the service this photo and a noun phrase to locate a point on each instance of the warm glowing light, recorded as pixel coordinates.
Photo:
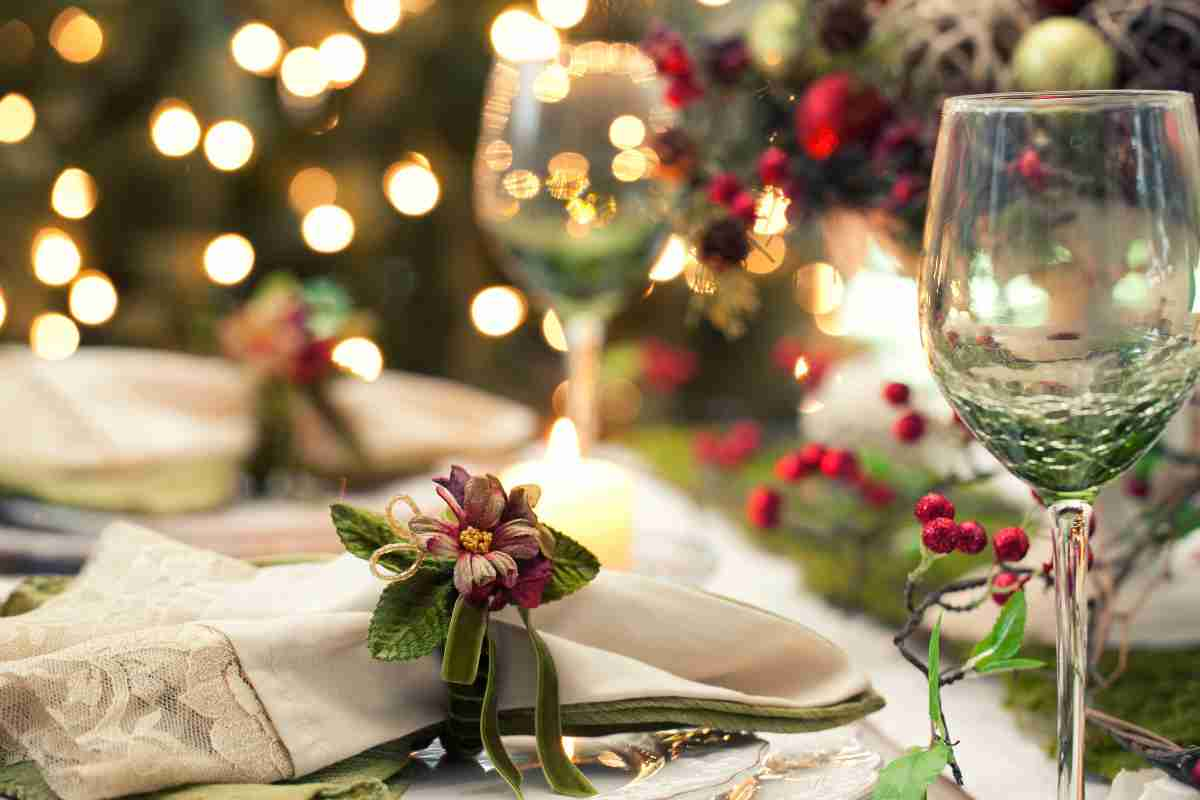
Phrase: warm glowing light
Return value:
(518, 35)
(93, 298)
(498, 155)
(3, 308)
(53, 336)
(312, 187)
(359, 356)
(569, 162)
(772, 213)
(563, 443)
(629, 165)
(819, 288)
(582, 213)
(801, 370)
(228, 259)
(767, 256)
(521, 184)
(375, 16)
(553, 332)
(56, 258)
(256, 48)
(17, 118)
(626, 132)
(563, 13)
(343, 58)
(568, 742)
(303, 72)
(411, 188)
(498, 310)
(552, 84)
(228, 145)
(174, 129)
(74, 194)
(328, 229)
(76, 36)
(713, 3)
(671, 263)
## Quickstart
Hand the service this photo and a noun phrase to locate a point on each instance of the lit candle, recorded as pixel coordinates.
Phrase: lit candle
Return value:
(588, 499)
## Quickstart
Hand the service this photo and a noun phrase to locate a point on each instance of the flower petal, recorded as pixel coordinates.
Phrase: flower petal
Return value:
(455, 483)
(485, 502)
(462, 573)
(506, 567)
(483, 571)
(439, 544)
(424, 525)
(455, 507)
(535, 574)
(518, 538)
(521, 502)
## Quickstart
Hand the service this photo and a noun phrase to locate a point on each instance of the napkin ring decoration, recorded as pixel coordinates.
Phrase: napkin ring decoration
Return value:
(446, 575)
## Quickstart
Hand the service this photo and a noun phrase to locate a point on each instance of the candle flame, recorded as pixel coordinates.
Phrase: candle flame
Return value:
(801, 369)
(568, 741)
(564, 441)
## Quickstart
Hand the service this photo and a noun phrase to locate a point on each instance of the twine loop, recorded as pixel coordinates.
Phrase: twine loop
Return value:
(409, 543)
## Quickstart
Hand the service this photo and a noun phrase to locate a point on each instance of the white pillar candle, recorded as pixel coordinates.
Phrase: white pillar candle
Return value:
(588, 499)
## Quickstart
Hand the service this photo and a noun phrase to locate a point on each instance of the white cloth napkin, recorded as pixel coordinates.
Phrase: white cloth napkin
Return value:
(164, 665)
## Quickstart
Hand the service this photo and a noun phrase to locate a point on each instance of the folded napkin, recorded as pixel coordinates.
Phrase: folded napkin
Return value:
(163, 665)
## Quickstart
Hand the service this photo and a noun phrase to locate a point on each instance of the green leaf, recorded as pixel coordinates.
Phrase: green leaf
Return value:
(935, 684)
(908, 777)
(574, 568)
(1006, 635)
(464, 642)
(363, 532)
(489, 728)
(411, 619)
(562, 775)
(1011, 665)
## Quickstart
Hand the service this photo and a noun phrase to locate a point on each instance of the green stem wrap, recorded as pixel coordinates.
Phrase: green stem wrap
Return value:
(462, 657)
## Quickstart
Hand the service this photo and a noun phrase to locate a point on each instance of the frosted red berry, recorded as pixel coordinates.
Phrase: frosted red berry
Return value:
(896, 393)
(877, 494)
(744, 207)
(932, 506)
(811, 455)
(763, 506)
(940, 535)
(773, 166)
(1008, 581)
(1138, 488)
(723, 188)
(840, 464)
(972, 538)
(1010, 544)
(792, 467)
(909, 428)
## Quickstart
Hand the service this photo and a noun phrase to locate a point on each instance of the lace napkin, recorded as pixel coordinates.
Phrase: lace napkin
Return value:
(163, 665)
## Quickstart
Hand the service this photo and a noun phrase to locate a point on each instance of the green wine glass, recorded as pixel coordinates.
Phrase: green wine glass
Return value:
(1058, 308)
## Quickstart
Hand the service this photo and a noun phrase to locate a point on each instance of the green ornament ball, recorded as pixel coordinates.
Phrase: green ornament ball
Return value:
(1063, 54)
(781, 38)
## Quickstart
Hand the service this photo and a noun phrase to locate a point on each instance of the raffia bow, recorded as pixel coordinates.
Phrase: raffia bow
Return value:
(409, 543)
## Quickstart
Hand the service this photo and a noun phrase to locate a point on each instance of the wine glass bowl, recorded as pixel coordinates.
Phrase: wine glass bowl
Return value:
(1058, 306)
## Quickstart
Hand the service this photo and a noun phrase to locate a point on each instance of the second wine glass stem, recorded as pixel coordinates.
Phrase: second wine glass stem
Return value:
(585, 347)
(1072, 520)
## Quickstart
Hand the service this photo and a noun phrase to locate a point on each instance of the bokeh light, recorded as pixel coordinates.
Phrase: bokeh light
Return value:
(17, 118)
(553, 84)
(771, 213)
(518, 35)
(53, 336)
(375, 16)
(256, 48)
(672, 261)
(819, 288)
(228, 145)
(328, 229)
(521, 184)
(359, 356)
(767, 256)
(498, 155)
(801, 369)
(303, 72)
(552, 331)
(629, 165)
(93, 298)
(56, 257)
(228, 259)
(343, 58)
(74, 194)
(312, 187)
(174, 129)
(713, 3)
(563, 13)
(498, 310)
(627, 131)
(76, 36)
(3, 308)
(16, 42)
(412, 188)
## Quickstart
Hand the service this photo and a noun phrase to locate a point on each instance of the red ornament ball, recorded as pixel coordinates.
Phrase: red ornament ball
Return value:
(972, 538)
(1010, 544)
(909, 428)
(836, 110)
(896, 393)
(792, 467)
(933, 506)
(940, 535)
(839, 464)
(763, 506)
(1008, 581)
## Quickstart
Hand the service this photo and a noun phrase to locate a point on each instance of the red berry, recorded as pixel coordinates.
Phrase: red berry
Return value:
(744, 207)
(773, 166)
(1008, 581)
(747, 434)
(723, 188)
(909, 428)
(1136, 487)
(811, 455)
(676, 61)
(792, 467)
(1196, 773)
(763, 506)
(896, 393)
(683, 92)
(1010, 544)
(1029, 165)
(877, 494)
(840, 464)
(932, 506)
(940, 535)
(706, 447)
(972, 538)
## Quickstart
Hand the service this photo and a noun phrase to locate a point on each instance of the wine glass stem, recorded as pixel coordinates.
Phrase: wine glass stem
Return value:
(1072, 519)
(585, 346)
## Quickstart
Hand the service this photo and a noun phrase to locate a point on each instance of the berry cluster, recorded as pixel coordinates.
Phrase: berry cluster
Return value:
(910, 426)
(665, 368)
(729, 449)
(941, 535)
